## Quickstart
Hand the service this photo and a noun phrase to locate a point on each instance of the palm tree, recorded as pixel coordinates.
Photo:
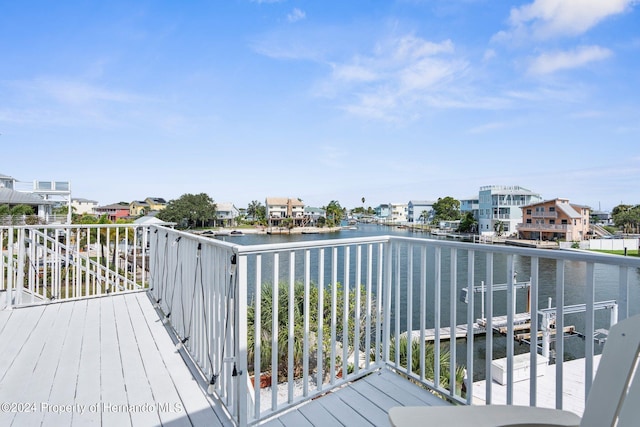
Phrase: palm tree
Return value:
(428, 361)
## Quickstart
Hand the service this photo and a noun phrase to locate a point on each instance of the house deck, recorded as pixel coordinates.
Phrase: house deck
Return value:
(110, 361)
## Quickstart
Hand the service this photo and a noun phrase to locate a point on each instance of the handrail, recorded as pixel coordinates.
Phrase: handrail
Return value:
(319, 314)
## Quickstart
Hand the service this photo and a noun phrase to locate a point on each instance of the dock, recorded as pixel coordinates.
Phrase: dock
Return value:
(521, 322)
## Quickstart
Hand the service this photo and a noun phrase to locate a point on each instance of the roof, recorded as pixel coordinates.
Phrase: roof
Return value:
(81, 200)
(225, 206)
(568, 210)
(149, 220)
(115, 206)
(421, 202)
(2, 176)
(277, 201)
(12, 197)
(158, 200)
(507, 189)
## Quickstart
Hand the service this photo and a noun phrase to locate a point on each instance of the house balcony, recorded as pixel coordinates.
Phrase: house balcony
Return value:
(146, 325)
(557, 228)
(544, 215)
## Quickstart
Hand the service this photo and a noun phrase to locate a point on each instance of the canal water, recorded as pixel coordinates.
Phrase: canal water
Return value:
(607, 283)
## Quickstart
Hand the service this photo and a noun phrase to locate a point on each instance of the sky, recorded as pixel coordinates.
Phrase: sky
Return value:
(323, 100)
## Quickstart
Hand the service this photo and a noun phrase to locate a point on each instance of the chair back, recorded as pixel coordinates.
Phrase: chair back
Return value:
(614, 398)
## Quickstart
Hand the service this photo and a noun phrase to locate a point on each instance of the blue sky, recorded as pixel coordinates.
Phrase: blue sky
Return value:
(323, 100)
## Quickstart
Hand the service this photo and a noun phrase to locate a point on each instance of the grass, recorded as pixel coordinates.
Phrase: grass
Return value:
(629, 252)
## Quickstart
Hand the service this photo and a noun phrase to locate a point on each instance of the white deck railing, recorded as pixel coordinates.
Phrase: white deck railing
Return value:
(45, 263)
(314, 315)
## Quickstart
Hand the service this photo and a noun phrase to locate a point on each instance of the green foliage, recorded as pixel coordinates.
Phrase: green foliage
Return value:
(468, 224)
(627, 218)
(429, 356)
(446, 209)
(190, 210)
(266, 327)
(334, 213)
(258, 212)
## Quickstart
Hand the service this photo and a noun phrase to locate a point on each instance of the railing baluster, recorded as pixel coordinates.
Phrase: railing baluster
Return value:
(306, 337)
(356, 333)
(559, 331)
(488, 312)
(470, 324)
(290, 323)
(453, 298)
(345, 312)
(436, 316)
(589, 327)
(533, 345)
(423, 309)
(321, 288)
(409, 286)
(274, 333)
(511, 303)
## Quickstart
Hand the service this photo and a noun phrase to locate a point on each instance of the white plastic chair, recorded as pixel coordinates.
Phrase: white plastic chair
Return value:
(614, 399)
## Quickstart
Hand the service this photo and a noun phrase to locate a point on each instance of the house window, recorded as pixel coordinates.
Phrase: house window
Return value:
(528, 220)
(564, 222)
(552, 209)
(528, 211)
(552, 221)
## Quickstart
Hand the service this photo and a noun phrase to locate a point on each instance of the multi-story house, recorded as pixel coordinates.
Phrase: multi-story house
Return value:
(420, 211)
(279, 208)
(226, 214)
(555, 219)
(42, 196)
(156, 203)
(115, 211)
(383, 212)
(471, 204)
(499, 208)
(138, 208)
(83, 206)
(399, 212)
(312, 215)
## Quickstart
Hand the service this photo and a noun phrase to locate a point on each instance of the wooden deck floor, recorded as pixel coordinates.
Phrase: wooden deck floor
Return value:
(111, 362)
(105, 361)
(365, 402)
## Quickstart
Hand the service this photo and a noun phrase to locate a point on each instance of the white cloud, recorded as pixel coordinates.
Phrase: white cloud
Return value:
(397, 78)
(547, 63)
(296, 15)
(550, 18)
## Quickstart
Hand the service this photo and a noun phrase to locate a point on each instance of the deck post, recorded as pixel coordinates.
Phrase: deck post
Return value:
(241, 331)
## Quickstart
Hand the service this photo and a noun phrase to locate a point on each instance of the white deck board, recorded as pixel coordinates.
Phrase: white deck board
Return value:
(365, 402)
(573, 396)
(95, 352)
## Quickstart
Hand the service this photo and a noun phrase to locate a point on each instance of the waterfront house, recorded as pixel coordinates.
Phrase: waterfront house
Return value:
(383, 212)
(156, 203)
(312, 215)
(499, 208)
(470, 204)
(114, 211)
(555, 219)
(399, 212)
(226, 214)
(82, 206)
(42, 196)
(279, 208)
(420, 211)
(138, 208)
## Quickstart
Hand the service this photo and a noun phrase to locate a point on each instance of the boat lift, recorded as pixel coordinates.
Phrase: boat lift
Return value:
(548, 315)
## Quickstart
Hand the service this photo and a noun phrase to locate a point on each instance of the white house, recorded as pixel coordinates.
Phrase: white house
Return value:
(501, 205)
(226, 214)
(420, 211)
(83, 206)
(399, 212)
